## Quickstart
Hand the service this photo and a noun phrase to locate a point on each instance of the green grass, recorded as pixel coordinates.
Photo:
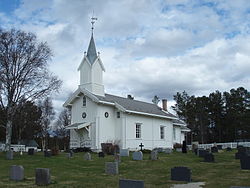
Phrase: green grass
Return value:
(77, 172)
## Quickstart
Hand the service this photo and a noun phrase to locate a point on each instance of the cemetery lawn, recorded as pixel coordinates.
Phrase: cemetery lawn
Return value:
(76, 172)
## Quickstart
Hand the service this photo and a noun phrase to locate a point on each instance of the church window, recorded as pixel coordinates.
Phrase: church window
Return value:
(162, 132)
(106, 114)
(84, 101)
(174, 133)
(118, 114)
(138, 130)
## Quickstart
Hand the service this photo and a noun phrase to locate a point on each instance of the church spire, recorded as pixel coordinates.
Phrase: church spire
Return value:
(91, 53)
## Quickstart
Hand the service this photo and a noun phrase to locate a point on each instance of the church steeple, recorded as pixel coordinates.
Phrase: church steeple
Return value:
(91, 68)
(91, 53)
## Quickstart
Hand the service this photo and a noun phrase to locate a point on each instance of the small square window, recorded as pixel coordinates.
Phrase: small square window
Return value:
(118, 114)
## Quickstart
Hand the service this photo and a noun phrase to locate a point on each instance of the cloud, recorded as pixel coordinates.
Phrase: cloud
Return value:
(148, 47)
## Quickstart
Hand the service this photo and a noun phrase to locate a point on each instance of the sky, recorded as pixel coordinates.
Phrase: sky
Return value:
(148, 47)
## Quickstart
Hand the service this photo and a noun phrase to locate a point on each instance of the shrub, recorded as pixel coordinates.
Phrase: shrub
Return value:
(177, 145)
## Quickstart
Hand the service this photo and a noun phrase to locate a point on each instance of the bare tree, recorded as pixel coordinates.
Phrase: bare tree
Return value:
(24, 75)
(63, 121)
(48, 115)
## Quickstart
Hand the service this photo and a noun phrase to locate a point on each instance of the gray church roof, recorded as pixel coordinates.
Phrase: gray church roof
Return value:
(135, 105)
(91, 53)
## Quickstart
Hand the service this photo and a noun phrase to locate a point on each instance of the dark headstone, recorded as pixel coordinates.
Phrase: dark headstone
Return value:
(181, 174)
(209, 157)
(245, 162)
(47, 154)
(111, 168)
(229, 149)
(42, 176)
(9, 155)
(214, 149)
(219, 147)
(16, 172)
(131, 183)
(31, 151)
(196, 151)
(184, 147)
(202, 152)
(101, 154)
(141, 146)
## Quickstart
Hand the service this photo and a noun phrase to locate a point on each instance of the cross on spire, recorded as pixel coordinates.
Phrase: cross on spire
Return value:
(93, 19)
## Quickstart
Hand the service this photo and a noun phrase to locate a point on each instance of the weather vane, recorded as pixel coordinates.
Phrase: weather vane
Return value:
(93, 19)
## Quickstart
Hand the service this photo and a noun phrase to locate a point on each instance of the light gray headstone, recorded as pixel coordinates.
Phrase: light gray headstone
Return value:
(154, 155)
(178, 149)
(168, 150)
(131, 183)
(137, 155)
(87, 156)
(111, 168)
(16, 172)
(117, 158)
(42, 176)
(9, 155)
(124, 152)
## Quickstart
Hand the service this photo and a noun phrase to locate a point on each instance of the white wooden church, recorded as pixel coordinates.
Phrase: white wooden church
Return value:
(98, 117)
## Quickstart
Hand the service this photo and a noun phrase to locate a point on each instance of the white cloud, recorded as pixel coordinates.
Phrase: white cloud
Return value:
(147, 47)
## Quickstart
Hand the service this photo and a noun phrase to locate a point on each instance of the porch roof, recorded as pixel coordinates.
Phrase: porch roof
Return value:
(78, 125)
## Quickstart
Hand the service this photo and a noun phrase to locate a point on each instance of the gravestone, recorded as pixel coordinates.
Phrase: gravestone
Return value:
(154, 155)
(101, 154)
(242, 151)
(124, 183)
(124, 152)
(229, 149)
(214, 149)
(137, 156)
(195, 146)
(141, 146)
(209, 157)
(219, 147)
(31, 151)
(160, 150)
(117, 158)
(111, 168)
(87, 156)
(42, 176)
(16, 172)
(9, 155)
(181, 174)
(47, 154)
(167, 150)
(196, 151)
(178, 149)
(202, 152)
(245, 162)
(71, 153)
(184, 147)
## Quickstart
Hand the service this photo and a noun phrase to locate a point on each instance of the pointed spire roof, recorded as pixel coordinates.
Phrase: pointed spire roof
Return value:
(91, 53)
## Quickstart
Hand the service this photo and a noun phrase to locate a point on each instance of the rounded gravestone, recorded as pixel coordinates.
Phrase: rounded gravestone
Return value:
(137, 155)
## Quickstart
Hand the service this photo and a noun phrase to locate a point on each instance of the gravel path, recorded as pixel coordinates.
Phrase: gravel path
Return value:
(189, 185)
